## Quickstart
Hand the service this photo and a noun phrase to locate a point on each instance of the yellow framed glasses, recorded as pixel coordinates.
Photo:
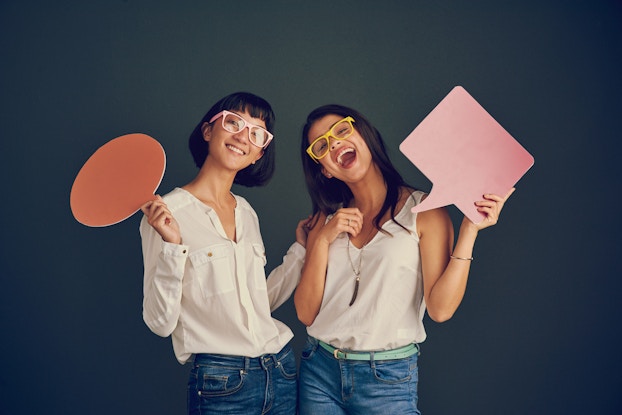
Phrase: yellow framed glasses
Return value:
(341, 130)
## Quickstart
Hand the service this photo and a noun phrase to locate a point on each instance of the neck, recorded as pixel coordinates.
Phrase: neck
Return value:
(212, 186)
(369, 194)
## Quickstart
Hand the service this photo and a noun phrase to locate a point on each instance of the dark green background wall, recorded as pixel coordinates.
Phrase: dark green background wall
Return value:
(539, 329)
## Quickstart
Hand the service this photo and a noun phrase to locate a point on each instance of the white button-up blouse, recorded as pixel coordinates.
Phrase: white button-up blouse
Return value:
(210, 293)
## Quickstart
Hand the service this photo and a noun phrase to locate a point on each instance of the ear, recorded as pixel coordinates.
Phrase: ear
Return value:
(206, 129)
(327, 174)
(258, 157)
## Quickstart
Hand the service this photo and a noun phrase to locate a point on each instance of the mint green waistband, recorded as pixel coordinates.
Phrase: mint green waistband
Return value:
(398, 353)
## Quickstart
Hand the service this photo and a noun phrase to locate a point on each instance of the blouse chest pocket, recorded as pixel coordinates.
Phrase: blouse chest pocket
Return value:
(260, 254)
(212, 269)
(259, 263)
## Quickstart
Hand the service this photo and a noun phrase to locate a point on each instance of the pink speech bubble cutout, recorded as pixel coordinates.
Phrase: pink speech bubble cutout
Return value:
(465, 153)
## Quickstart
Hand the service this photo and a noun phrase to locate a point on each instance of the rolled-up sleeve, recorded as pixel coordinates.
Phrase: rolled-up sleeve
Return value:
(283, 280)
(164, 265)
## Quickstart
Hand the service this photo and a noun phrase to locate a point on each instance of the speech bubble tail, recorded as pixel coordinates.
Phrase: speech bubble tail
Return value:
(432, 201)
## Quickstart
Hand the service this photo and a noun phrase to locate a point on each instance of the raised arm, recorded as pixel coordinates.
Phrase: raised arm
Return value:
(310, 292)
(283, 279)
(164, 263)
(445, 272)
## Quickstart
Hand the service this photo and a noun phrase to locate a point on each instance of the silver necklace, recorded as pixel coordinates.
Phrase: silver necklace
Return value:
(356, 271)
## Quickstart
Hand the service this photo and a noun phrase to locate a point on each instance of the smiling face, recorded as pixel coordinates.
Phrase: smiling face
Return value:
(347, 159)
(233, 150)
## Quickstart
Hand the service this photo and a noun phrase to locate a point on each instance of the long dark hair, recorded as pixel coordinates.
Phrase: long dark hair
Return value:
(256, 174)
(328, 195)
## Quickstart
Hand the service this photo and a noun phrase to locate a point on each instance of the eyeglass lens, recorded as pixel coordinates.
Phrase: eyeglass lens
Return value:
(234, 123)
(339, 131)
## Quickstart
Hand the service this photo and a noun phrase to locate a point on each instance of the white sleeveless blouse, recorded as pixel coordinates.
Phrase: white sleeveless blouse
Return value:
(389, 308)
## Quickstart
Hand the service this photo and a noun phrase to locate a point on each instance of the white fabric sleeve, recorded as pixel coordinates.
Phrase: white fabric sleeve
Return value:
(283, 280)
(164, 265)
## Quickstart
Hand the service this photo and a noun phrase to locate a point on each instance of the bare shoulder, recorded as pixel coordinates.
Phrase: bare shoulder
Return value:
(405, 194)
(435, 220)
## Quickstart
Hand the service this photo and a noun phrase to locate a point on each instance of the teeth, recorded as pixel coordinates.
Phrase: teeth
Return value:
(344, 151)
(237, 150)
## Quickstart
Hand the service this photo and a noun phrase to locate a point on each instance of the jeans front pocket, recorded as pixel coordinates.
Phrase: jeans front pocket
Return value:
(395, 371)
(309, 349)
(212, 381)
(287, 365)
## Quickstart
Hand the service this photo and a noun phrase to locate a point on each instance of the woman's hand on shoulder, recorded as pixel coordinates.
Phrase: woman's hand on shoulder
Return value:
(161, 219)
(302, 230)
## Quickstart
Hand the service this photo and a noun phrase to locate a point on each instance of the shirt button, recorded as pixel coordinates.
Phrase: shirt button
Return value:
(209, 254)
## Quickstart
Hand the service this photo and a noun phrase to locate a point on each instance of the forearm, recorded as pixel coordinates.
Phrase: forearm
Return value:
(162, 287)
(283, 280)
(448, 291)
(310, 291)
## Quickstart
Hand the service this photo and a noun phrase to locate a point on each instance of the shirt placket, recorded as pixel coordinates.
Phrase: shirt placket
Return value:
(241, 269)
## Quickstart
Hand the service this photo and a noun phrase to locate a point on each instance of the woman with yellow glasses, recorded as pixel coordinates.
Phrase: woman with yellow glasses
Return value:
(372, 269)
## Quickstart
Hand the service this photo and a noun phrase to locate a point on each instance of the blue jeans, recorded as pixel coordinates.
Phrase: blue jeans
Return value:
(220, 384)
(330, 386)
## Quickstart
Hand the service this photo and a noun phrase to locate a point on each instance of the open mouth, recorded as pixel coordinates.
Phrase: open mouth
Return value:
(346, 157)
(236, 150)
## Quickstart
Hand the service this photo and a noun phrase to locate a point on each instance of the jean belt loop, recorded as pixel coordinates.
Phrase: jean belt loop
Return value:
(271, 359)
(247, 364)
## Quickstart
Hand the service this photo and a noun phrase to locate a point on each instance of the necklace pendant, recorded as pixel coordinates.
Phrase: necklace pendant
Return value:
(357, 272)
(356, 290)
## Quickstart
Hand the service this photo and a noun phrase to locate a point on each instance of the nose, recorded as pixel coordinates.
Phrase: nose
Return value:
(334, 142)
(242, 135)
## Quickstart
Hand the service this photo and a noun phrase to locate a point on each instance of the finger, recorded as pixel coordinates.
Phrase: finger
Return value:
(493, 198)
(156, 208)
(348, 223)
(489, 217)
(486, 203)
(355, 222)
(350, 212)
(353, 231)
(304, 224)
(161, 215)
(498, 198)
(145, 207)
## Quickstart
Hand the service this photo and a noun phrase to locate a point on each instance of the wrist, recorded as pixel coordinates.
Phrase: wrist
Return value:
(176, 241)
(468, 228)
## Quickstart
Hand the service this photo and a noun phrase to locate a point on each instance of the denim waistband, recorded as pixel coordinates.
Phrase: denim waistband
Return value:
(243, 362)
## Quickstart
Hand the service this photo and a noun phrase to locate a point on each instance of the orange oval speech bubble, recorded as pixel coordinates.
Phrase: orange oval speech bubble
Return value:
(117, 179)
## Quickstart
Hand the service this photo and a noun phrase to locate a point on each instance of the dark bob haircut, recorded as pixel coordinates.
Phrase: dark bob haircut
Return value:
(328, 195)
(257, 174)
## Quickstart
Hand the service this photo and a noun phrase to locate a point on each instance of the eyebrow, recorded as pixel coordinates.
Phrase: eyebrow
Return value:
(331, 127)
(248, 122)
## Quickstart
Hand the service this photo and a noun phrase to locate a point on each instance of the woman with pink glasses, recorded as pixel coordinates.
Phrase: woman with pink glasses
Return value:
(204, 280)
(372, 269)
